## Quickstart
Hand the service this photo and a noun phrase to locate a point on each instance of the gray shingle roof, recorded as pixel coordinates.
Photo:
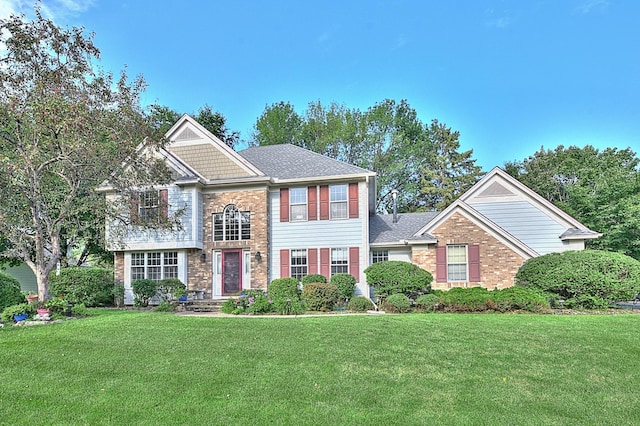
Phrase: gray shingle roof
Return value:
(292, 162)
(383, 230)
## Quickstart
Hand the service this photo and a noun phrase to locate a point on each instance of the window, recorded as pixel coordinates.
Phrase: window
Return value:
(379, 256)
(154, 266)
(298, 264)
(339, 261)
(148, 206)
(338, 202)
(298, 204)
(231, 225)
(457, 262)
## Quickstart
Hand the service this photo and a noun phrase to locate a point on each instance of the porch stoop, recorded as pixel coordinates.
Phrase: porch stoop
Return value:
(202, 305)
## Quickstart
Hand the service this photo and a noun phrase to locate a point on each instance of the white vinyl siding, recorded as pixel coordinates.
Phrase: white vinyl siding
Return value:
(527, 223)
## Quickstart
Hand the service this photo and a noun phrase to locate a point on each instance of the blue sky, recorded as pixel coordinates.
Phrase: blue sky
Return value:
(509, 75)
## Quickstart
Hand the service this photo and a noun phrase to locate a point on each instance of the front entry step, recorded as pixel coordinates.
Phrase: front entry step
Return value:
(204, 305)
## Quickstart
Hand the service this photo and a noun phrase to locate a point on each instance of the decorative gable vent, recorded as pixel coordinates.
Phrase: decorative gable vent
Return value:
(187, 135)
(495, 190)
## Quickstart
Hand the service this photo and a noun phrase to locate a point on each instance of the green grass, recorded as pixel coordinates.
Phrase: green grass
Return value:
(128, 367)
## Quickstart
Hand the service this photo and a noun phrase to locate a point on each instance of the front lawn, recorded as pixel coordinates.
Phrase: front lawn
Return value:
(128, 367)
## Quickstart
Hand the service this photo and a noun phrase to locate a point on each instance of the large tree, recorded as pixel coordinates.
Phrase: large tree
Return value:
(387, 138)
(599, 188)
(64, 128)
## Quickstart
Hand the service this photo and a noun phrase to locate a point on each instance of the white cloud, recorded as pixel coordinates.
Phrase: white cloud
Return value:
(493, 19)
(53, 9)
(589, 6)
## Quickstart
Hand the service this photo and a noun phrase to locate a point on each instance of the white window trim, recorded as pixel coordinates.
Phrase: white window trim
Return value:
(466, 263)
(292, 204)
(345, 202)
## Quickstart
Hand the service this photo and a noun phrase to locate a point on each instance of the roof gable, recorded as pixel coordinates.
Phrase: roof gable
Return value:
(199, 149)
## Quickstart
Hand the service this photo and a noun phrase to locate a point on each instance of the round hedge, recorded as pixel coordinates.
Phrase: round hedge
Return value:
(91, 286)
(395, 276)
(320, 296)
(10, 293)
(143, 290)
(587, 279)
(284, 288)
(360, 304)
(313, 278)
(346, 284)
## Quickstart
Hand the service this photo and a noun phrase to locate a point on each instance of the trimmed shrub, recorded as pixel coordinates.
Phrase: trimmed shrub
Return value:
(143, 291)
(320, 296)
(429, 302)
(360, 304)
(474, 299)
(588, 279)
(91, 286)
(346, 284)
(284, 288)
(10, 293)
(168, 287)
(397, 303)
(519, 299)
(394, 276)
(313, 278)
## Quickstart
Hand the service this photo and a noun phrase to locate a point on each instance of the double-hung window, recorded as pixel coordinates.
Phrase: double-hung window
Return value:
(298, 263)
(154, 265)
(338, 201)
(298, 204)
(457, 262)
(231, 224)
(339, 261)
(148, 206)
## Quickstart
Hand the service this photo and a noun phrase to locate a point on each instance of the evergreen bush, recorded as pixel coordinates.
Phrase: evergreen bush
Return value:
(91, 286)
(320, 296)
(313, 278)
(589, 279)
(395, 276)
(346, 284)
(10, 293)
(143, 291)
(429, 302)
(397, 303)
(360, 304)
(284, 288)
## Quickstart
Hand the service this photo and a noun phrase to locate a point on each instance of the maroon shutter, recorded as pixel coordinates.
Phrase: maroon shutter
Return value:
(354, 262)
(134, 204)
(164, 204)
(324, 202)
(312, 260)
(353, 200)
(284, 263)
(312, 199)
(441, 264)
(474, 263)
(325, 265)
(284, 205)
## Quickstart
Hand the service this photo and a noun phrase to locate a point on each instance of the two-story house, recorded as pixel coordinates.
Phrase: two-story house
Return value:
(276, 211)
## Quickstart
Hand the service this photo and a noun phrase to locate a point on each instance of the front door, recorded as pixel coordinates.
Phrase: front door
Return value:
(231, 272)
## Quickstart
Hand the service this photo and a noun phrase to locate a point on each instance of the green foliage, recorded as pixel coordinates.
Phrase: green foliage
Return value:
(170, 289)
(421, 161)
(143, 291)
(118, 294)
(66, 127)
(10, 311)
(91, 286)
(289, 306)
(397, 303)
(313, 278)
(163, 306)
(474, 299)
(56, 305)
(10, 293)
(79, 310)
(429, 302)
(360, 304)
(320, 296)
(346, 284)
(396, 276)
(252, 302)
(284, 288)
(587, 279)
(519, 299)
